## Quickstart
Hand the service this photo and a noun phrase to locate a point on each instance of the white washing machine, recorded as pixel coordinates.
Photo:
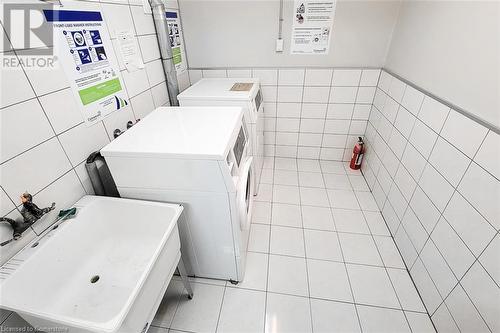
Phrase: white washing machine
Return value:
(199, 157)
(244, 92)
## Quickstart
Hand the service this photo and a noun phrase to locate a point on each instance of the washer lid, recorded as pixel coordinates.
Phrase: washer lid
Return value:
(180, 132)
(220, 89)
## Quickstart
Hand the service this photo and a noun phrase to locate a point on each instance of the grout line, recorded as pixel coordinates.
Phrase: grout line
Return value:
(343, 256)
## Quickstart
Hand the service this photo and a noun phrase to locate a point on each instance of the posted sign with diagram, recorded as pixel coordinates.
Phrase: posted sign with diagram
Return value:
(176, 40)
(312, 26)
(87, 57)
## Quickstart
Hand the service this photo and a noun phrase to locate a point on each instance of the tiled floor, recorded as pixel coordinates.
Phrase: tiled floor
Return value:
(321, 260)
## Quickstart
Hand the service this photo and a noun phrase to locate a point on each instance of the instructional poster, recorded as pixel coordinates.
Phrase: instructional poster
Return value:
(87, 57)
(312, 26)
(176, 40)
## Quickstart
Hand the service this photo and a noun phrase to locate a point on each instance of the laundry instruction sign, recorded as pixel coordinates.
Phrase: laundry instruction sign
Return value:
(87, 57)
(312, 26)
(176, 40)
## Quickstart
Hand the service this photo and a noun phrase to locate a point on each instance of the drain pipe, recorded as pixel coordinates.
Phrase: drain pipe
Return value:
(167, 59)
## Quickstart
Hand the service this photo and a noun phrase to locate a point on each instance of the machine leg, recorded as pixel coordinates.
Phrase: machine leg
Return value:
(184, 277)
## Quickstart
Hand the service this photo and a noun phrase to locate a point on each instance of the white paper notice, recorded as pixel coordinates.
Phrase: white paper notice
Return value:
(86, 54)
(129, 51)
(312, 26)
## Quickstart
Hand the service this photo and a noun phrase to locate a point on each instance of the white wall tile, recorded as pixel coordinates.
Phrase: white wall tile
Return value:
(149, 48)
(5, 45)
(332, 154)
(343, 94)
(449, 161)
(413, 161)
(290, 94)
(195, 75)
(268, 77)
(142, 104)
(65, 191)
(23, 126)
(464, 313)
(310, 139)
(308, 152)
(358, 127)
(361, 111)
(269, 93)
(291, 77)
(436, 187)
(154, 70)
(365, 95)
(334, 140)
(397, 89)
(469, 224)
(287, 125)
(337, 126)
(390, 109)
(379, 99)
(143, 22)
(82, 140)
(287, 138)
(316, 94)
(340, 111)
(455, 127)
(135, 82)
(489, 259)
(61, 110)
(214, 73)
(397, 201)
(482, 191)
(425, 210)
(433, 113)
(369, 77)
(312, 125)
(414, 230)
(439, 271)
(286, 151)
(43, 83)
(18, 88)
(160, 95)
(453, 249)
(314, 110)
(484, 293)
(385, 81)
(118, 120)
(405, 182)
(443, 320)
(346, 77)
(6, 205)
(423, 138)
(412, 100)
(488, 155)
(404, 122)
(288, 110)
(117, 17)
(397, 143)
(318, 77)
(237, 73)
(18, 175)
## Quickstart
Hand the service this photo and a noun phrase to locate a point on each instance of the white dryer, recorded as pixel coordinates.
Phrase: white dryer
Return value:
(199, 157)
(244, 92)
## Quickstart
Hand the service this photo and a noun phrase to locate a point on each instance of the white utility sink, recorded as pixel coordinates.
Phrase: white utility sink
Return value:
(105, 270)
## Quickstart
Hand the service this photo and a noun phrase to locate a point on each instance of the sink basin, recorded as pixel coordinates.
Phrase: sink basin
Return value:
(105, 270)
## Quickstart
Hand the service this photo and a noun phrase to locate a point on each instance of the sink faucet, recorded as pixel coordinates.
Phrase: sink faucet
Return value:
(30, 213)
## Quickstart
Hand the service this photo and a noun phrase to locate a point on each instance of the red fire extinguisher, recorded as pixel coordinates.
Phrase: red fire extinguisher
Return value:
(357, 154)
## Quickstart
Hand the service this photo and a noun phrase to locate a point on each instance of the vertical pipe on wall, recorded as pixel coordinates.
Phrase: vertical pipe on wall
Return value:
(167, 58)
(280, 21)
